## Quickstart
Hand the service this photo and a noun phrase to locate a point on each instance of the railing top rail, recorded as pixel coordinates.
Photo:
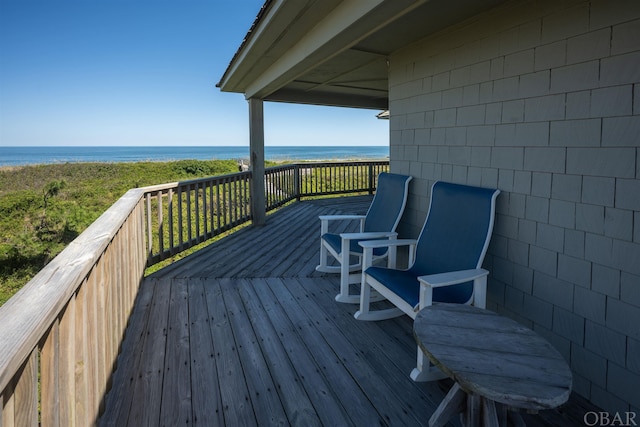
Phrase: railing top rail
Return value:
(168, 185)
(318, 164)
(334, 163)
(28, 314)
(236, 175)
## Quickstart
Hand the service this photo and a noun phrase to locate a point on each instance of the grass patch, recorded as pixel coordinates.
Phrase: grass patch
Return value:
(44, 207)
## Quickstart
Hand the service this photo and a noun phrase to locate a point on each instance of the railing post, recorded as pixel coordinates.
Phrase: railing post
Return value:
(297, 182)
(371, 177)
(256, 143)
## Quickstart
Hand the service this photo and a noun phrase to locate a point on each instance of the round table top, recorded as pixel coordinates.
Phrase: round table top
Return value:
(493, 356)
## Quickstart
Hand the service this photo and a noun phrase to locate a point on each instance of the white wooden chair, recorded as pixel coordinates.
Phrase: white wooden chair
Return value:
(381, 221)
(445, 261)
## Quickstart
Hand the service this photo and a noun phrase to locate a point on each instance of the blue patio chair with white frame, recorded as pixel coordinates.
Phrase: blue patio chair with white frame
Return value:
(380, 221)
(445, 261)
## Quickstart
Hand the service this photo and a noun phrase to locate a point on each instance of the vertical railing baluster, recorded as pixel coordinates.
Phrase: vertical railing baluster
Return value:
(232, 201)
(26, 393)
(189, 230)
(160, 224)
(81, 359)
(94, 392)
(247, 196)
(245, 199)
(205, 224)
(371, 178)
(229, 205)
(225, 204)
(180, 220)
(49, 378)
(234, 197)
(296, 182)
(66, 368)
(149, 228)
(282, 191)
(211, 209)
(218, 205)
(196, 197)
(104, 361)
(268, 186)
(171, 220)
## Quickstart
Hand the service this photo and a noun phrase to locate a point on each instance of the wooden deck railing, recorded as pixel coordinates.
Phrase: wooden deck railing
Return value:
(61, 333)
(183, 214)
(290, 182)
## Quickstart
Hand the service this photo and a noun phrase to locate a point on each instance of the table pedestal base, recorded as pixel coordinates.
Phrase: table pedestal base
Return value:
(474, 410)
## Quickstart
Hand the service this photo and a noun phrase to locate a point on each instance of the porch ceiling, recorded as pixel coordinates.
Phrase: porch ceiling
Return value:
(332, 52)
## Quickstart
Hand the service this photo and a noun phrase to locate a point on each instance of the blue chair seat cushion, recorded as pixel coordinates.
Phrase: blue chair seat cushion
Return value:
(405, 284)
(335, 241)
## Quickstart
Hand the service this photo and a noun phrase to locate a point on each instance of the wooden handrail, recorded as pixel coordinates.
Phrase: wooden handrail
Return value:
(65, 326)
(288, 182)
(61, 333)
(181, 215)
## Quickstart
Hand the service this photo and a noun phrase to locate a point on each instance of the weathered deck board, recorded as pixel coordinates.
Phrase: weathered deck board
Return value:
(246, 332)
(176, 393)
(206, 407)
(147, 379)
(319, 353)
(295, 399)
(264, 397)
(267, 251)
(357, 359)
(236, 406)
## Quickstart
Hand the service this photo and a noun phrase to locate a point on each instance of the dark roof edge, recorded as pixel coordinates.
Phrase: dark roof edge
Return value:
(247, 37)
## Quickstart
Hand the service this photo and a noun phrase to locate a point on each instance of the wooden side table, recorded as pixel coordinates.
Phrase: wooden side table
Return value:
(498, 365)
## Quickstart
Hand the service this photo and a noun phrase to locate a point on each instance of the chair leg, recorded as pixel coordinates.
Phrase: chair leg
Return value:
(425, 371)
(366, 298)
(345, 268)
(323, 254)
(323, 267)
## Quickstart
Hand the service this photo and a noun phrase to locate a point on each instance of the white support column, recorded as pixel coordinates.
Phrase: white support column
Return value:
(256, 148)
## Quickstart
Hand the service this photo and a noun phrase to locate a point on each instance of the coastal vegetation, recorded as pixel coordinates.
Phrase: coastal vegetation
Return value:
(45, 207)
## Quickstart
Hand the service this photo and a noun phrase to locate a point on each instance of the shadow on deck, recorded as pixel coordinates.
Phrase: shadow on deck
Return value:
(245, 332)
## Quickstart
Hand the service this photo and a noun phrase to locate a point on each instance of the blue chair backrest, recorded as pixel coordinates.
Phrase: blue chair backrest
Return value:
(457, 231)
(388, 203)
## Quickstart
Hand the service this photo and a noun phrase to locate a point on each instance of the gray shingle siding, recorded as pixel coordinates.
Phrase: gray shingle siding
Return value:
(542, 100)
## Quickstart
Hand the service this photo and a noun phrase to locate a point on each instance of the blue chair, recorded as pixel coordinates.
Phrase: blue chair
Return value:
(444, 262)
(380, 222)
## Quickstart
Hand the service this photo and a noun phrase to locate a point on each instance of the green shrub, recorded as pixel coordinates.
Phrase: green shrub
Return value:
(44, 207)
(198, 168)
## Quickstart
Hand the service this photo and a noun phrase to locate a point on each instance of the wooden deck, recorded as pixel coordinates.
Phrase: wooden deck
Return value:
(245, 332)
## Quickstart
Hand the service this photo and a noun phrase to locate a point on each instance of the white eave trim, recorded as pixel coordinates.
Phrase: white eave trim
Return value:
(320, 38)
(343, 27)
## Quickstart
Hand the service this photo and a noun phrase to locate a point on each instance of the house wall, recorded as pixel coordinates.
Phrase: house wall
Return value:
(541, 99)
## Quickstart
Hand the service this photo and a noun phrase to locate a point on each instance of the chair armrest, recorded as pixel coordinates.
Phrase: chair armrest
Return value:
(452, 277)
(325, 219)
(477, 275)
(392, 244)
(369, 235)
(388, 243)
(339, 217)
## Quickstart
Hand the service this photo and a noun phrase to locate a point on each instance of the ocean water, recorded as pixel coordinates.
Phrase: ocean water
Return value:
(18, 156)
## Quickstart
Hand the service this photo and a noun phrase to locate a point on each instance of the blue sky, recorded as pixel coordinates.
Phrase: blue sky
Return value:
(143, 72)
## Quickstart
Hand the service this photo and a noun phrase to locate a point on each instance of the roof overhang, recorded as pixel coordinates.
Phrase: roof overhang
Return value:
(334, 52)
